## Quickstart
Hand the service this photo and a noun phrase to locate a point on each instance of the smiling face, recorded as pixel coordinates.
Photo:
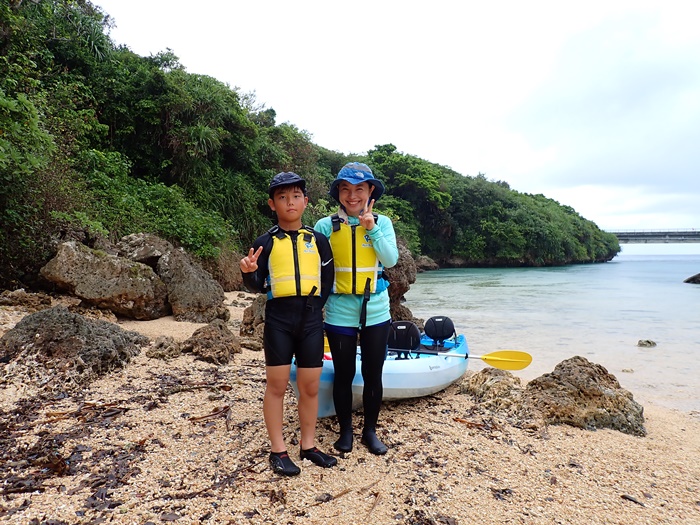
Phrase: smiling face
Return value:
(354, 197)
(289, 202)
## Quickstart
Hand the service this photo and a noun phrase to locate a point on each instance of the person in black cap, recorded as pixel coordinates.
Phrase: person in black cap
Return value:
(293, 264)
(363, 243)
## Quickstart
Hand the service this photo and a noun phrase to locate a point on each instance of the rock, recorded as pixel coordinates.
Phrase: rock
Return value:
(253, 316)
(58, 350)
(695, 279)
(585, 395)
(30, 302)
(401, 276)
(193, 294)
(646, 343)
(501, 393)
(252, 343)
(144, 248)
(164, 347)
(125, 287)
(226, 270)
(425, 263)
(494, 389)
(214, 343)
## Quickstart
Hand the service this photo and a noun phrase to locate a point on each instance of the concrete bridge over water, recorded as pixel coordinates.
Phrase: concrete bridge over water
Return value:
(657, 236)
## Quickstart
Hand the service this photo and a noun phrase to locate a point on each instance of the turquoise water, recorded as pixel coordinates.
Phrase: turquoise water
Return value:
(598, 311)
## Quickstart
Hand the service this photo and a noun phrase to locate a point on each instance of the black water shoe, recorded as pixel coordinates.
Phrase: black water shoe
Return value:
(371, 441)
(317, 457)
(281, 463)
(344, 443)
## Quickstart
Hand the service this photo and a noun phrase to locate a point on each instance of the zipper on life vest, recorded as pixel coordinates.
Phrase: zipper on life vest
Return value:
(354, 260)
(297, 275)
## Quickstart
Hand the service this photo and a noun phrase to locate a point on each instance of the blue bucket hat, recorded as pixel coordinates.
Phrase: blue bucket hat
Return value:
(286, 178)
(354, 173)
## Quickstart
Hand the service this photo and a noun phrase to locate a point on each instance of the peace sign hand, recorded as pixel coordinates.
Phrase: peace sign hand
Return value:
(249, 263)
(367, 217)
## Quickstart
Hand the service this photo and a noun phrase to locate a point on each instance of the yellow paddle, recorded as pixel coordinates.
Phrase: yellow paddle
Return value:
(503, 359)
(506, 359)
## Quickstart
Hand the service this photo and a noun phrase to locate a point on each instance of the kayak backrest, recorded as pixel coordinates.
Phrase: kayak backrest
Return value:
(404, 337)
(439, 329)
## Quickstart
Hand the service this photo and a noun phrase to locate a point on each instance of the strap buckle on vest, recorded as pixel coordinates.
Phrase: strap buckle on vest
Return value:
(336, 220)
(276, 231)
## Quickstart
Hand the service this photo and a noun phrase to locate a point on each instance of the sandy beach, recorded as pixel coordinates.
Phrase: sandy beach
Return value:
(183, 441)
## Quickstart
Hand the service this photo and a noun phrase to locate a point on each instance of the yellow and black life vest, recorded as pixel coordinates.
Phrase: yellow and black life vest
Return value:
(354, 258)
(294, 264)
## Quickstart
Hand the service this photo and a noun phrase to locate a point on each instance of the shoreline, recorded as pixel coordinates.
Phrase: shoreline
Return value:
(183, 441)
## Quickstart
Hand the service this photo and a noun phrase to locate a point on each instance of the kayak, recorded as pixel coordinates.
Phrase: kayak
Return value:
(407, 374)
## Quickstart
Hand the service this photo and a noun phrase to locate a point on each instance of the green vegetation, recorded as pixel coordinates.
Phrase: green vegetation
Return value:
(98, 140)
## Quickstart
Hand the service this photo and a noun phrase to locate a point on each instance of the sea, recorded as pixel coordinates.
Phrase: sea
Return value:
(598, 311)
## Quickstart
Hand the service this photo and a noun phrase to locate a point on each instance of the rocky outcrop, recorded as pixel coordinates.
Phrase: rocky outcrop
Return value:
(585, 395)
(253, 321)
(193, 294)
(577, 393)
(107, 281)
(148, 278)
(695, 279)
(401, 276)
(425, 263)
(59, 351)
(214, 343)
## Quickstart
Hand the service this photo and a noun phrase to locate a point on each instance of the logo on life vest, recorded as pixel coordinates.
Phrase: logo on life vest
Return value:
(368, 242)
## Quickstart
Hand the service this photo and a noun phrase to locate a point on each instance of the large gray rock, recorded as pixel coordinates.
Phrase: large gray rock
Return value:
(59, 351)
(125, 287)
(695, 279)
(585, 395)
(577, 393)
(192, 292)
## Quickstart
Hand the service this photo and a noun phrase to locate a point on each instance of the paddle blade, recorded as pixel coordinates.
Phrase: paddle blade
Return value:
(506, 359)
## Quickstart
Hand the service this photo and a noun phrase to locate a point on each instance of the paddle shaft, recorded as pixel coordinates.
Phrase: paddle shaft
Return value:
(503, 359)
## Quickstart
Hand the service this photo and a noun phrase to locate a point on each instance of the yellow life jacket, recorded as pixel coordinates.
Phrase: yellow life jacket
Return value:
(294, 264)
(354, 258)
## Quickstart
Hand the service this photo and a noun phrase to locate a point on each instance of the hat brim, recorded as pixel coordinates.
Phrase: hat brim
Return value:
(377, 192)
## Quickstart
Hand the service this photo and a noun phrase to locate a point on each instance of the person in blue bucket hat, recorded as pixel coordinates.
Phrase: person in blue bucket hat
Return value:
(363, 244)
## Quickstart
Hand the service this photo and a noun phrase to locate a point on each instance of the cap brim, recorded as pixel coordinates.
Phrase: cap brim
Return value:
(377, 192)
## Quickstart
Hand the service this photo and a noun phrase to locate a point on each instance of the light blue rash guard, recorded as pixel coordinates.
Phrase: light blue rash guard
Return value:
(344, 309)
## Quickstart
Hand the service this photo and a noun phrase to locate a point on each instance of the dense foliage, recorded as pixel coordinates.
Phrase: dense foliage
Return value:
(98, 140)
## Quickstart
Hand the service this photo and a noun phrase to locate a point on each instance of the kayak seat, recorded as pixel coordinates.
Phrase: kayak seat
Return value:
(404, 338)
(439, 329)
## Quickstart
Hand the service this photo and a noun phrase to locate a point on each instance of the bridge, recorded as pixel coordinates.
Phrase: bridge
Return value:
(657, 236)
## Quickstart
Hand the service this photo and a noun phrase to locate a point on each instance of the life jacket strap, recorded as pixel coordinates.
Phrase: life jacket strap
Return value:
(365, 300)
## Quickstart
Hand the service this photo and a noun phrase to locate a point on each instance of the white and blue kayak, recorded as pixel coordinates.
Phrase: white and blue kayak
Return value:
(419, 372)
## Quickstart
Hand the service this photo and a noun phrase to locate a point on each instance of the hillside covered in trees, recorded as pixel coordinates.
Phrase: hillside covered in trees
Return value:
(97, 139)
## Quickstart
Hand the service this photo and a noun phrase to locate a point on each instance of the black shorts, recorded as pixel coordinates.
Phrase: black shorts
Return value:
(290, 333)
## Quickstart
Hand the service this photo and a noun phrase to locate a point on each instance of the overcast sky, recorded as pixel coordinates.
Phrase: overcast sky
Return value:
(595, 104)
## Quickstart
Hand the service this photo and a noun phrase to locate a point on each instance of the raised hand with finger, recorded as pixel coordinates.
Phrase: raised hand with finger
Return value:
(249, 263)
(367, 217)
